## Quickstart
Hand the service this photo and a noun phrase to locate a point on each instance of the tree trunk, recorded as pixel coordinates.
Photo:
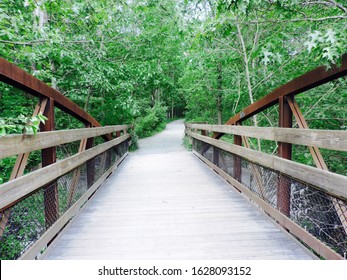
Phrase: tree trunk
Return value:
(248, 76)
(219, 94)
(54, 80)
(89, 94)
(41, 18)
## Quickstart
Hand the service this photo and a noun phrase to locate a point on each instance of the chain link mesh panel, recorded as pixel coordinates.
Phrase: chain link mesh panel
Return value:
(26, 221)
(320, 214)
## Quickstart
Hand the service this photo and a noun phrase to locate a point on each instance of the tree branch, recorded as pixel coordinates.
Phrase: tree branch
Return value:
(292, 20)
(35, 42)
(228, 46)
(330, 3)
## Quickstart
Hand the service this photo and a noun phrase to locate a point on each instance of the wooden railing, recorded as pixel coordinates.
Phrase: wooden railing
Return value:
(278, 194)
(36, 206)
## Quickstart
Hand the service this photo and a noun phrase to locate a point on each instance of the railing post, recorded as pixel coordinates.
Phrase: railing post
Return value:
(215, 151)
(284, 151)
(90, 165)
(108, 159)
(237, 160)
(48, 155)
(215, 156)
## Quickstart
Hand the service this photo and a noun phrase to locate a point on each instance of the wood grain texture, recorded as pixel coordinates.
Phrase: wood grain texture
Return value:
(291, 226)
(15, 190)
(327, 139)
(164, 203)
(331, 183)
(19, 144)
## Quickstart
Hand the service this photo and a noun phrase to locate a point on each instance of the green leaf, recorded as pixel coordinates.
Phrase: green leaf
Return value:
(310, 45)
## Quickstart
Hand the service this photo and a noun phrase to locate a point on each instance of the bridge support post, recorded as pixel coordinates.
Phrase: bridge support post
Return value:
(237, 160)
(90, 165)
(216, 156)
(108, 159)
(48, 155)
(284, 151)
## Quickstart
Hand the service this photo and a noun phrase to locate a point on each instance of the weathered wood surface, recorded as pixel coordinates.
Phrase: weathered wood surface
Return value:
(36, 249)
(14, 190)
(164, 203)
(327, 139)
(282, 219)
(18, 144)
(329, 182)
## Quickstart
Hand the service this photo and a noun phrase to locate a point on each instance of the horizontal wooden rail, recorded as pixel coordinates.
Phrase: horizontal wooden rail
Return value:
(327, 139)
(326, 181)
(13, 191)
(283, 220)
(55, 229)
(19, 144)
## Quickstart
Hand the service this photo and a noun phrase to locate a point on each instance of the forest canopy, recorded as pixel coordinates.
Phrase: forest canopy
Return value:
(141, 62)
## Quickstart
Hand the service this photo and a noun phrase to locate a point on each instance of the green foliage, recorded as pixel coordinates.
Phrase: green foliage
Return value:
(187, 143)
(140, 61)
(153, 121)
(134, 142)
(21, 124)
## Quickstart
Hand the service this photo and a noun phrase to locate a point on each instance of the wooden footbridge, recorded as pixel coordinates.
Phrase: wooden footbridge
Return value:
(223, 200)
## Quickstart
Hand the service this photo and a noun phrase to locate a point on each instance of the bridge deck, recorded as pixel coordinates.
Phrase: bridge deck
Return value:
(164, 203)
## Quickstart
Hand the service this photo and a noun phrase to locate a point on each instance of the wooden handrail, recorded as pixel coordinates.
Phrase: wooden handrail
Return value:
(19, 187)
(19, 144)
(329, 182)
(327, 139)
(15, 190)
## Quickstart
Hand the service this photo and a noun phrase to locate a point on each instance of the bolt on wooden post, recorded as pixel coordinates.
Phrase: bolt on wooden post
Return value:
(284, 151)
(48, 155)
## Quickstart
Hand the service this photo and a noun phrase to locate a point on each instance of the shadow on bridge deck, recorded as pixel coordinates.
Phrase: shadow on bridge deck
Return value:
(164, 203)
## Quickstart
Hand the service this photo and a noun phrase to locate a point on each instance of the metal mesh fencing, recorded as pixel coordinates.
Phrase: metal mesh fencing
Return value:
(322, 215)
(26, 221)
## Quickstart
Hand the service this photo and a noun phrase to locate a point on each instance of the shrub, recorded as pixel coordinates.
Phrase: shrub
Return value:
(152, 122)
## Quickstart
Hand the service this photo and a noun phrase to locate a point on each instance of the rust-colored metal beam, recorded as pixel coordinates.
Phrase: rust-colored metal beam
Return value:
(48, 155)
(19, 167)
(17, 77)
(76, 175)
(237, 160)
(256, 174)
(284, 151)
(340, 207)
(90, 164)
(302, 124)
(312, 79)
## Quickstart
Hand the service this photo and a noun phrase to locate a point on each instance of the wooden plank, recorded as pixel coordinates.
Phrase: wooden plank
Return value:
(293, 228)
(327, 139)
(78, 206)
(17, 144)
(15, 190)
(331, 183)
(163, 203)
